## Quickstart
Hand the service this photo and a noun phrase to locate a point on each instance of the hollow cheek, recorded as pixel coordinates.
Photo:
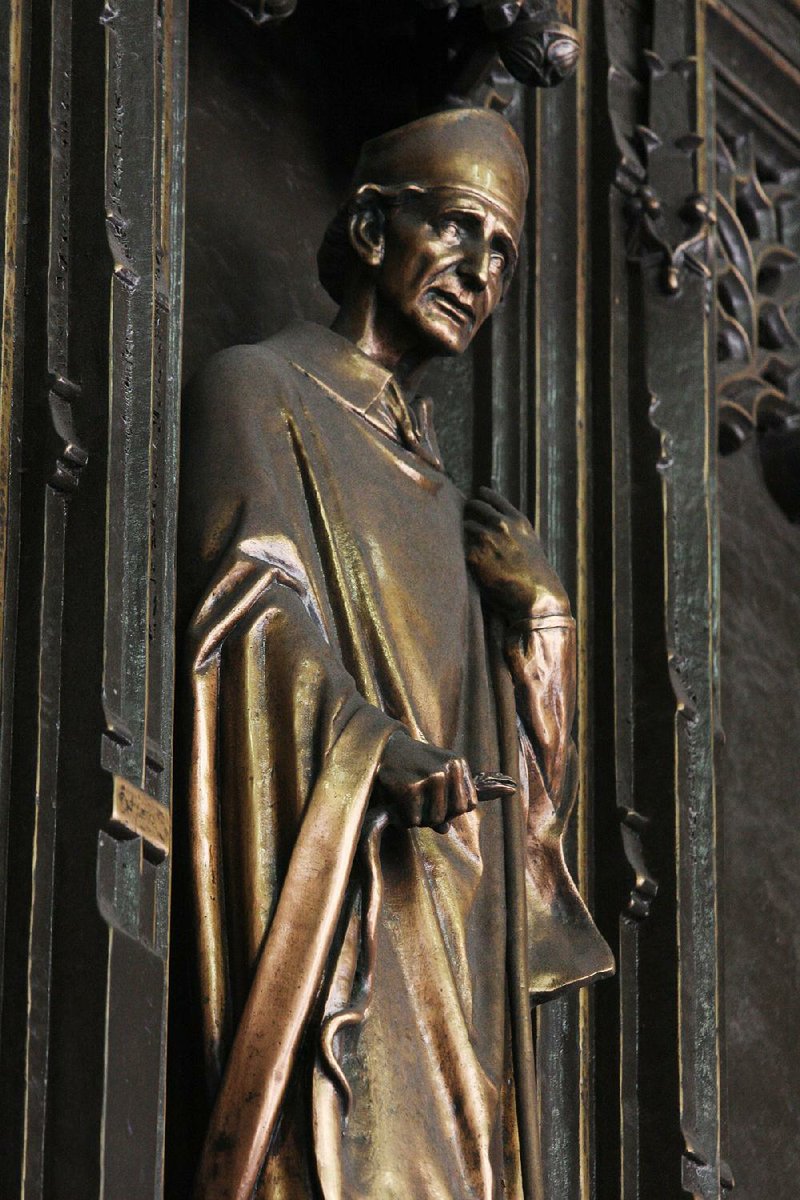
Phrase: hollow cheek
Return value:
(430, 267)
(490, 299)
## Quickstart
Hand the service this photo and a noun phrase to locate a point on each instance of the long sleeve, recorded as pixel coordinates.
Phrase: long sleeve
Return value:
(541, 656)
(564, 946)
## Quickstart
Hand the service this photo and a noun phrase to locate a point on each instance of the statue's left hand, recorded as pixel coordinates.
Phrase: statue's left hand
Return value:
(506, 557)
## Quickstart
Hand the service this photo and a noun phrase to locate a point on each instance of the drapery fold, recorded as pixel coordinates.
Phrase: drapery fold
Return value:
(325, 563)
(300, 916)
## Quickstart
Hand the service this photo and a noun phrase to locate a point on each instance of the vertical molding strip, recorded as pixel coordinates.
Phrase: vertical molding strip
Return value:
(562, 519)
(173, 157)
(644, 888)
(584, 731)
(13, 158)
(40, 937)
(13, 266)
(509, 350)
(636, 587)
(131, 149)
(681, 410)
(145, 145)
(69, 459)
(657, 106)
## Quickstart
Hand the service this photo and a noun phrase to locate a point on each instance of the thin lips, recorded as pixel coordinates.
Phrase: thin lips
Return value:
(451, 301)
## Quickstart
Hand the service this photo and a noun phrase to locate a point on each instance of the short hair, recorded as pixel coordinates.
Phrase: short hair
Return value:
(336, 257)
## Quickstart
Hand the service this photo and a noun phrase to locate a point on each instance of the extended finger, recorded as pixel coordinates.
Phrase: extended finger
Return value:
(479, 510)
(498, 500)
(478, 533)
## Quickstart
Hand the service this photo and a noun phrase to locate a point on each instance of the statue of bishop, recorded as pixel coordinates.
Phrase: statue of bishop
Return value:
(373, 659)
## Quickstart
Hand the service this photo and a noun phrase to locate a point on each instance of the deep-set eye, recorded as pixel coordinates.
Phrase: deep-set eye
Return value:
(498, 262)
(450, 231)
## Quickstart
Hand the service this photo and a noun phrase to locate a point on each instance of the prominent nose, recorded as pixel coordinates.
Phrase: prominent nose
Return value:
(475, 264)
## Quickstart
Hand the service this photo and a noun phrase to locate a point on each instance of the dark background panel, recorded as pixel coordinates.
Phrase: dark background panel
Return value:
(276, 119)
(59, 645)
(757, 98)
(758, 785)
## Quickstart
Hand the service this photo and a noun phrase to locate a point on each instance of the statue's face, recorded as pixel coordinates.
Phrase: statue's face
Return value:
(448, 255)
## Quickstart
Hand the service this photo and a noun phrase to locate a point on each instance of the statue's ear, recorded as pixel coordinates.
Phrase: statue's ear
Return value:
(366, 226)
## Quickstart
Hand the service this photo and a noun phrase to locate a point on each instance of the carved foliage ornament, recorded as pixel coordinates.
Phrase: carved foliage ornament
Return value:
(758, 295)
(535, 46)
(758, 311)
(677, 240)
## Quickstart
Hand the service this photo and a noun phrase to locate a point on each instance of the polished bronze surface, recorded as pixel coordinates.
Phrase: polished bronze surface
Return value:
(591, 399)
(367, 646)
(483, 154)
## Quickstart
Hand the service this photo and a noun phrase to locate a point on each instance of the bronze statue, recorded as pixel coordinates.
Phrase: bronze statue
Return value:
(358, 629)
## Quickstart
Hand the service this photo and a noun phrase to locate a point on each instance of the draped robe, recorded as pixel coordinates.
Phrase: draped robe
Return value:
(322, 545)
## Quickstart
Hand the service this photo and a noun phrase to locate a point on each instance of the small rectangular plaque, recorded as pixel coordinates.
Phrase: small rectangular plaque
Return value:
(141, 814)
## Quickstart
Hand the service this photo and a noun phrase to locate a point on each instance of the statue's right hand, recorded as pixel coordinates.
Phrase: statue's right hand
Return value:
(420, 784)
